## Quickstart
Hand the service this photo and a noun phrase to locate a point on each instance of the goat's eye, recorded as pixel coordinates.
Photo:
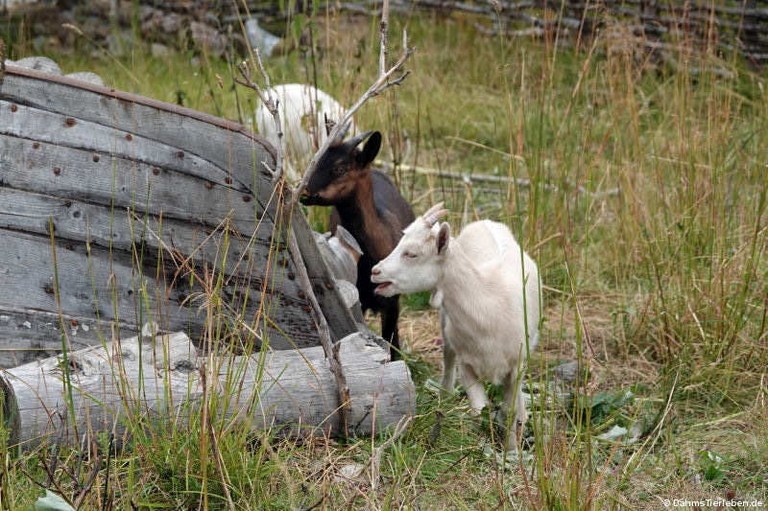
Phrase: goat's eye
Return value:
(409, 255)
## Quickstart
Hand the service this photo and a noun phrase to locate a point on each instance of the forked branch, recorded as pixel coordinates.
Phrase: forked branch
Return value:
(270, 100)
(386, 79)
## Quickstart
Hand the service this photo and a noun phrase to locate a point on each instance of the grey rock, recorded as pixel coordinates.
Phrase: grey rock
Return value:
(87, 76)
(42, 64)
(260, 38)
(567, 372)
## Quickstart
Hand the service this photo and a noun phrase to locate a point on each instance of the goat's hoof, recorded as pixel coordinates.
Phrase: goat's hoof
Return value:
(476, 412)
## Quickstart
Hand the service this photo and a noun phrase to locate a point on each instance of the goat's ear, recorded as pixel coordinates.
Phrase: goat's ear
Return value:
(443, 237)
(370, 150)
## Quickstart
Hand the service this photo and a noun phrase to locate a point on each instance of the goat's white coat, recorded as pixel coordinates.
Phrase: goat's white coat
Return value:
(303, 111)
(341, 252)
(488, 293)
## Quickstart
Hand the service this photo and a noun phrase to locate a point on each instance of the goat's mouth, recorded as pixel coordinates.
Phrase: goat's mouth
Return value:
(384, 289)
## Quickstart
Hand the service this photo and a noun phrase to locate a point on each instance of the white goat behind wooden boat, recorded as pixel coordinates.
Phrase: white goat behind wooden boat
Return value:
(304, 110)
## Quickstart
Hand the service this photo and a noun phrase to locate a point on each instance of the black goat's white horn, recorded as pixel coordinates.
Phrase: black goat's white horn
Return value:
(434, 214)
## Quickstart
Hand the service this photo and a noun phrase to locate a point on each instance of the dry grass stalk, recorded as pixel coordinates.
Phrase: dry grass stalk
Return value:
(272, 103)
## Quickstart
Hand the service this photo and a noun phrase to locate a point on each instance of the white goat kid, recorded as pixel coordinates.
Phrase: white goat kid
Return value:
(303, 113)
(487, 290)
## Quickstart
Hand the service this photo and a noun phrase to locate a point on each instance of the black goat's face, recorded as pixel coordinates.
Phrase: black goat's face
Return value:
(340, 169)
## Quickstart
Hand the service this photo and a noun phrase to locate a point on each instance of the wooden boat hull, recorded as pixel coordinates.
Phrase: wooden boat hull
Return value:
(116, 210)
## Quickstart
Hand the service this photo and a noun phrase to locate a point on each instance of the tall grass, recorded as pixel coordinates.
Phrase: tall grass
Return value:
(658, 290)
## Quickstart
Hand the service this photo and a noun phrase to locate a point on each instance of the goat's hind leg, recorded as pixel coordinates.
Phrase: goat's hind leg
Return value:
(513, 398)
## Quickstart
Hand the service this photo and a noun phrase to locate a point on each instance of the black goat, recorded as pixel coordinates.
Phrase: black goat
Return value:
(368, 205)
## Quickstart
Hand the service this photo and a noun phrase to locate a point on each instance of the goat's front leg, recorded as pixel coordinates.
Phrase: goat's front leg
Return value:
(474, 389)
(449, 355)
(513, 399)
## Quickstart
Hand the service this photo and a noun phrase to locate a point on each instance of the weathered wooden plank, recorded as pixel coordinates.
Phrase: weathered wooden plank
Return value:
(254, 262)
(226, 144)
(126, 230)
(98, 283)
(123, 183)
(339, 317)
(107, 188)
(61, 129)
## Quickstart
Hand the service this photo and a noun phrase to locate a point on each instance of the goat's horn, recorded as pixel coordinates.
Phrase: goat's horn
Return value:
(330, 124)
(434, 214)
(355, 141)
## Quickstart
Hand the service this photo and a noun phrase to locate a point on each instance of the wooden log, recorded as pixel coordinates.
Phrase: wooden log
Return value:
(106, 389)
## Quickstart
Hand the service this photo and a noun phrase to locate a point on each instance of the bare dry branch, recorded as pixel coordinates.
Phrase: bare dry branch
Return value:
(331, 352)
(375, 461)
(383, 37)
(387, 78)
(517, 181)
(272, 103)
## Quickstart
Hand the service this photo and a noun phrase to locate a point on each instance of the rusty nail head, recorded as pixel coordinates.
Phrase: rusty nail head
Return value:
(69, 122)
(96, 157)
(228, 180)
(56, 171)
(36, 145)
(180, 154)
(14, 108)
(246, 198)
(156, 171)
(128, 137)
(208, 185)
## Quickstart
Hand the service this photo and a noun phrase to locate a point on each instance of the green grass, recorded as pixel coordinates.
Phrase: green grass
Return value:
(659, 289)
